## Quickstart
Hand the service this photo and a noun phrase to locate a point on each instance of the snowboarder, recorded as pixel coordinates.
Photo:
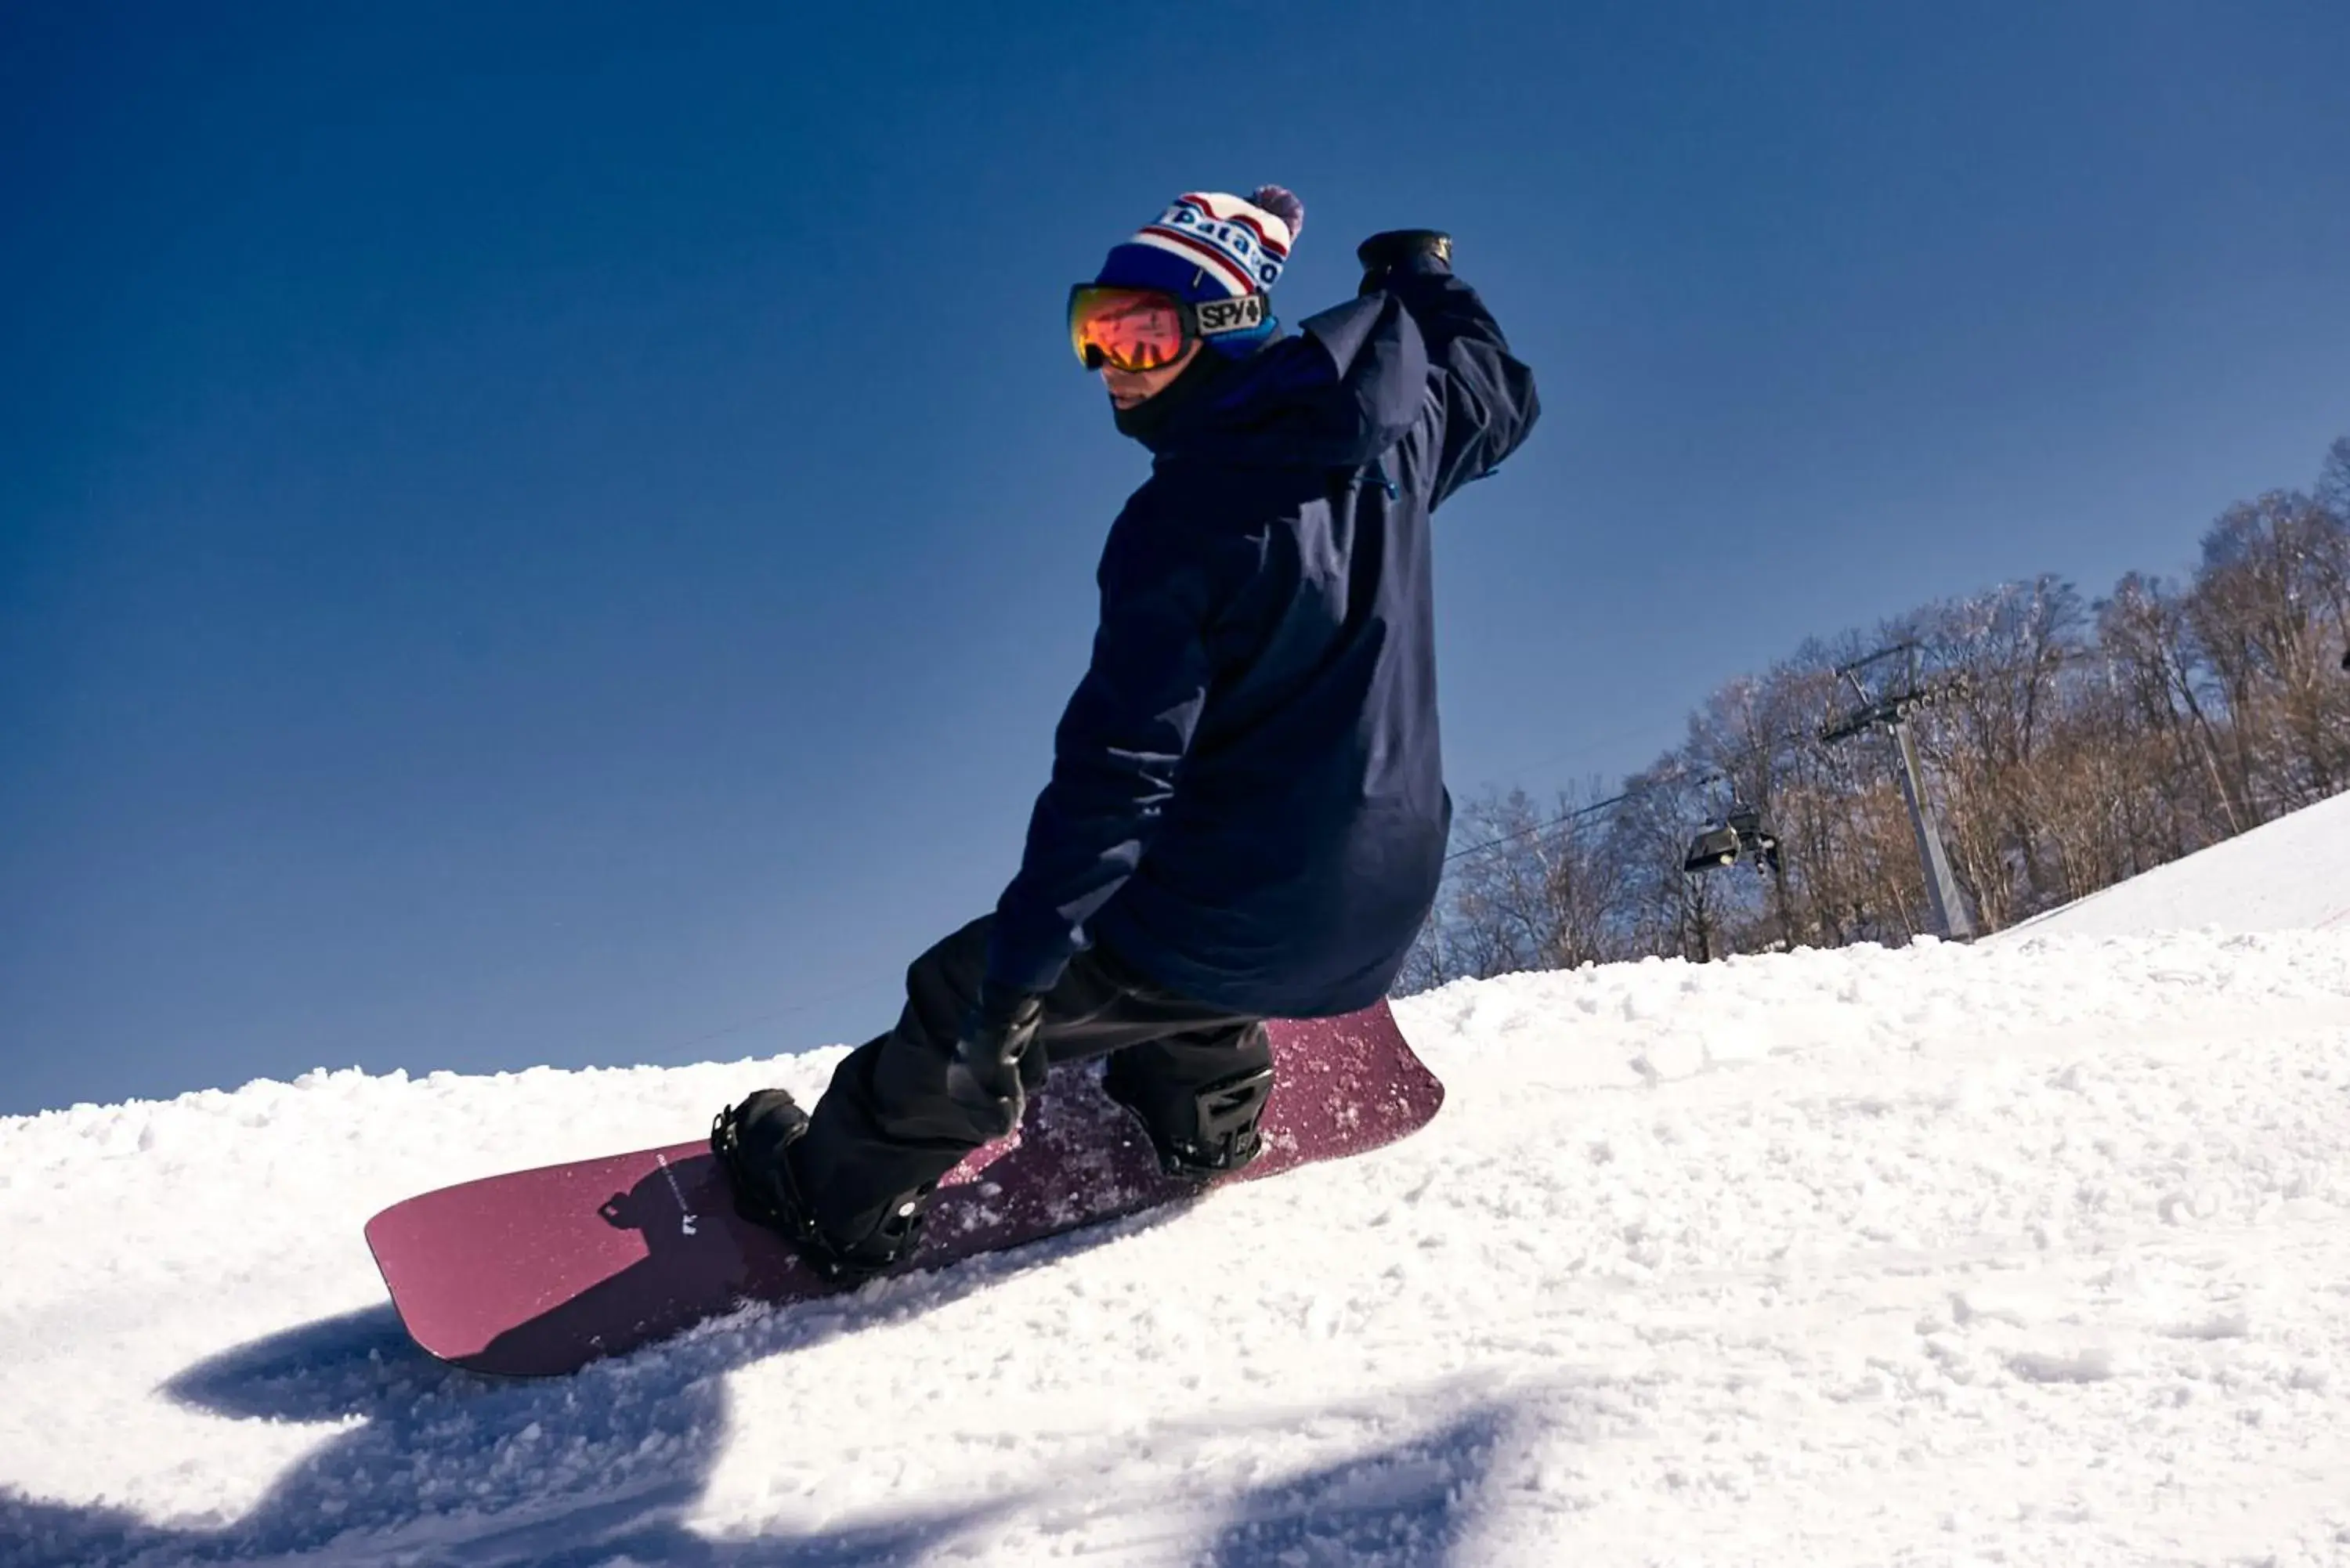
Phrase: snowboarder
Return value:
(1246, 816)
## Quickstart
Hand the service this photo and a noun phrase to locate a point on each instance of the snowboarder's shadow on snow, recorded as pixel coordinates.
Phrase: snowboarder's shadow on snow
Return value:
(1401, 1503)
(640, 1434)
(609, 1462)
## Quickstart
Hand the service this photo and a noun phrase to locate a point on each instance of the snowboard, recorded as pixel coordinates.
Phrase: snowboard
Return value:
(538, 1273)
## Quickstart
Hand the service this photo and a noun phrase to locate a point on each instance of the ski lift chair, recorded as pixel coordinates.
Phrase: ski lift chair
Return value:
(1738, 832)
(1715, 845)
(1753, 839)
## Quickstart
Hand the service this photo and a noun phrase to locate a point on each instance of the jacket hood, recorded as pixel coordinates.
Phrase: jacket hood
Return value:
(1349, 387)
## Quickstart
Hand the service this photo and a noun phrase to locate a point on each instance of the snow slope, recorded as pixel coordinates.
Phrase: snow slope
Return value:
(2033, 1252)
(2292, 874)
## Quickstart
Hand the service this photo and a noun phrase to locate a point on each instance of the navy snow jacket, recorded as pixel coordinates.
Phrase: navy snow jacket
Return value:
(1247, 803)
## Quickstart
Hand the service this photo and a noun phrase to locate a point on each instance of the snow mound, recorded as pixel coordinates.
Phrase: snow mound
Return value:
(2029, 1251)
(2292, 874)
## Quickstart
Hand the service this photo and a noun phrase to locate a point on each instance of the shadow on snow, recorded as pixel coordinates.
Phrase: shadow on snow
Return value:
(449, 1466)
(1412, 1502)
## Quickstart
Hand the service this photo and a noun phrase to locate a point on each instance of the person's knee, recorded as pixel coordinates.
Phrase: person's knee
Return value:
(909, 1073)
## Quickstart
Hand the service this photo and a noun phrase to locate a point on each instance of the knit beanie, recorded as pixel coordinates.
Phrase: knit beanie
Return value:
(1209, 246)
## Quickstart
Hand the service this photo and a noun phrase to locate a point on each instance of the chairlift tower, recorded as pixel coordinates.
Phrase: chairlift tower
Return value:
(1891, 713)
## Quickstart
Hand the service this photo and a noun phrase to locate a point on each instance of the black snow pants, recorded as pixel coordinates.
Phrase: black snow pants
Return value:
(885, 1128)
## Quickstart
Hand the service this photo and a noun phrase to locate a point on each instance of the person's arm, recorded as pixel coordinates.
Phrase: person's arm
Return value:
(1485, 395)
(1114, 756)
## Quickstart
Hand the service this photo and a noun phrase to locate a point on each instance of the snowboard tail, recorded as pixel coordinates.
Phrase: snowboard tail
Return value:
(537, 1272)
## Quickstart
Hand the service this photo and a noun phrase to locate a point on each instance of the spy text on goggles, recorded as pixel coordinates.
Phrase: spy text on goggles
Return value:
(1137, 329)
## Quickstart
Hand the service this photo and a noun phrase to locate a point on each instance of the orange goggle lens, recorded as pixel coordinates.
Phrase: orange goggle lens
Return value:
(1132, 328)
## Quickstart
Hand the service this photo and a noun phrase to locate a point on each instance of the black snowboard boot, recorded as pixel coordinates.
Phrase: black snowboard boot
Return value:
(753, 1144)
(1200, 1131)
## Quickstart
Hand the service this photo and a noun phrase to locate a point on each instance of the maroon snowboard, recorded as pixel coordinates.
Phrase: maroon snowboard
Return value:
(541, 1272)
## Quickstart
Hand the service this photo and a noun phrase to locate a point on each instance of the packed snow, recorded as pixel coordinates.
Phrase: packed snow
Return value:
(2036, 1250)
(2292, 874)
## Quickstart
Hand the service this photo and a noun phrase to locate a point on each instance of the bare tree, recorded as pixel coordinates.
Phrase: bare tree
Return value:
(2157, 670)
(2271, 605)
(1531, 888)
(2334, 482)
(2070, 745)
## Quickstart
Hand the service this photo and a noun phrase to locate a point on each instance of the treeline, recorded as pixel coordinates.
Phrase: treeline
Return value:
(2067, 743)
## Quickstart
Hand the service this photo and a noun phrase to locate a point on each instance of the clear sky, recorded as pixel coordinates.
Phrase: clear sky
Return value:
(559, 533)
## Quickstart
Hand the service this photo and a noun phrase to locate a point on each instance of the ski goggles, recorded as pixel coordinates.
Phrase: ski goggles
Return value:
(1137, 329)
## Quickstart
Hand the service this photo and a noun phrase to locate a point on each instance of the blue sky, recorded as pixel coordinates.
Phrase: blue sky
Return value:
(558, 535)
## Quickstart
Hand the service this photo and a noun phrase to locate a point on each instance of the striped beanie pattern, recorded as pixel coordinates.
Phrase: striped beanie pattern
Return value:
(1207, 246)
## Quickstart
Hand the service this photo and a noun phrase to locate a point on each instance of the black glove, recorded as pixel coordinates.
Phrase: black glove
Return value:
(1383, 251)
(997, 1061)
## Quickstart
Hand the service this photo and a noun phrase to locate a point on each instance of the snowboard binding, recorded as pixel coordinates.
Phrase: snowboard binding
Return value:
(753, 1142)
(1200, 1133)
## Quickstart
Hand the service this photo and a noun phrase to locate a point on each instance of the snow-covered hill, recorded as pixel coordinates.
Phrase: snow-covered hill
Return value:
(2292, 874)
(2034, 1252)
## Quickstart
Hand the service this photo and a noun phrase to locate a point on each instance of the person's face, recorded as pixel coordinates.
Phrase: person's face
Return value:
(1130, 388)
